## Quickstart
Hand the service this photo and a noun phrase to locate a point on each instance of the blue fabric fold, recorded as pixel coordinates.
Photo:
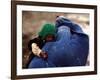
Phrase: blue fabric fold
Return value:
(62, 21)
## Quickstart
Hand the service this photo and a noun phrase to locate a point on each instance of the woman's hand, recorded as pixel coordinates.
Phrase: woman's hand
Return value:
(44, 55)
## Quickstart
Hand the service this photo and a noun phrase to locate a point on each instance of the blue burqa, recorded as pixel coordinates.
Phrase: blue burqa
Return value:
(70, 48)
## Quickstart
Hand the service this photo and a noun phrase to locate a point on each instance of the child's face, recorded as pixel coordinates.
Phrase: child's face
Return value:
(49, 38)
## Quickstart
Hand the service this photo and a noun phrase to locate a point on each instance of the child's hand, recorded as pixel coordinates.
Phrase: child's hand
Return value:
(38, 52)
(35, 49)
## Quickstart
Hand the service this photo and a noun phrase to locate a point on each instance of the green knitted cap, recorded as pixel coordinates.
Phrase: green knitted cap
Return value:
(48, 29)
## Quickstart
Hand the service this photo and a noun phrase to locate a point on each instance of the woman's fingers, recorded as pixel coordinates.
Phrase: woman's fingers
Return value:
(43, 55)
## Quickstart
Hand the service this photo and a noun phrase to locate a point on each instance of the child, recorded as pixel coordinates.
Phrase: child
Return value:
(47, 34)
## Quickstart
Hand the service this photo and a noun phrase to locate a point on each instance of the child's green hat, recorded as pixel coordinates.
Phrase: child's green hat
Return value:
(48, 29)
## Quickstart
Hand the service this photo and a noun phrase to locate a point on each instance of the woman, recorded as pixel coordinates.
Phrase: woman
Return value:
(70, 48)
